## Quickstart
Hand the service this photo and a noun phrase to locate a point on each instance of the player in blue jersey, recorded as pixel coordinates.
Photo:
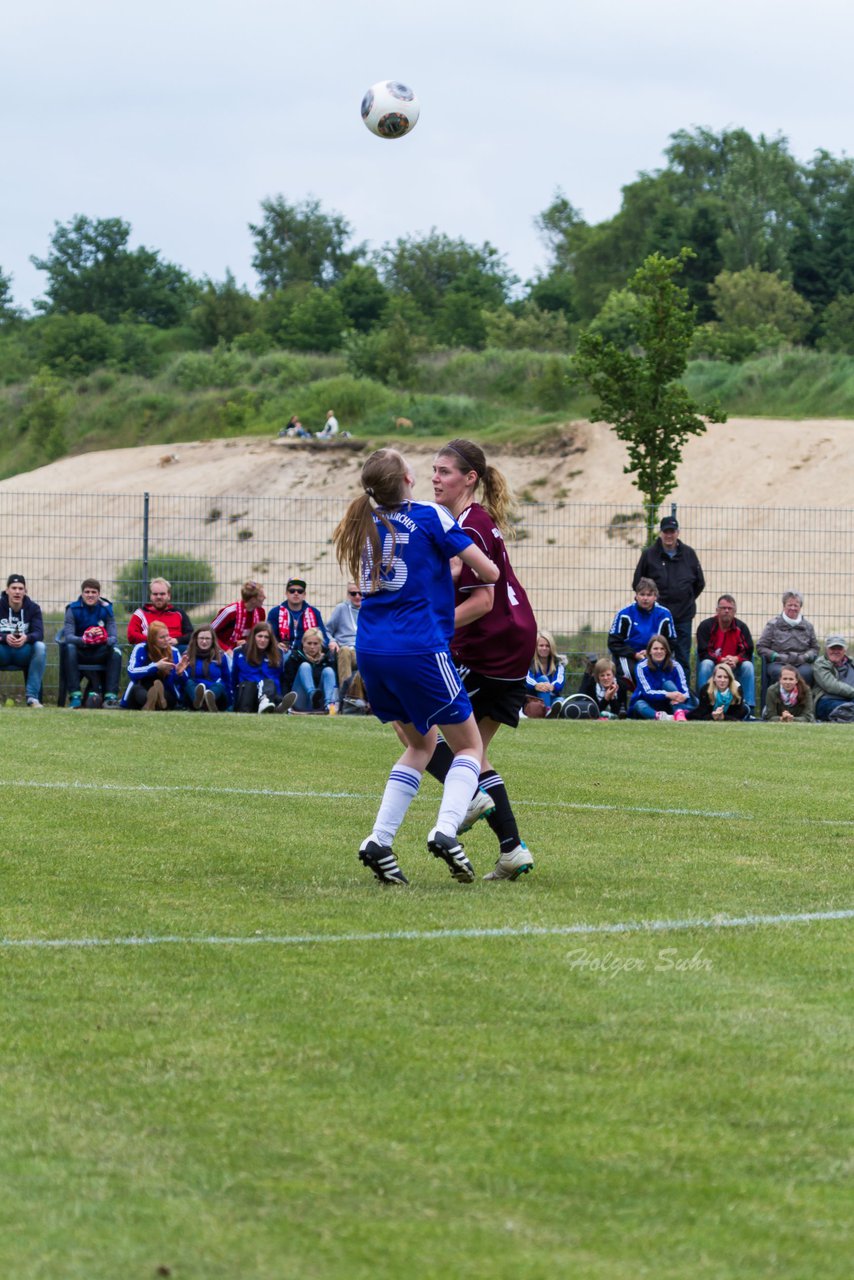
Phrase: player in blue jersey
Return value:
(399, 552)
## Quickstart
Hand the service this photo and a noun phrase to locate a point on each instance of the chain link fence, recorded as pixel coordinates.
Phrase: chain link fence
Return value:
(575, 560)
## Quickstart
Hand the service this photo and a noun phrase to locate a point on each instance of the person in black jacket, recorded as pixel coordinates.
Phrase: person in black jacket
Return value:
(675, 568)
(22, 636)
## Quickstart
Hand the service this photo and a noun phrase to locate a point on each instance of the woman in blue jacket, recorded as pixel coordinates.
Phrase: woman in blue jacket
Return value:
(547, 673)
(661, 690)
(256, 673)
(157, 673)
(208, 685)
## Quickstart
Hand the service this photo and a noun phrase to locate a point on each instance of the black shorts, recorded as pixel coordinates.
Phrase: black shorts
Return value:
(499, 700)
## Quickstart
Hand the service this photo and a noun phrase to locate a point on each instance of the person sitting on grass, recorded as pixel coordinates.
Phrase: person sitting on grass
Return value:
(790, 698)
(603, 685)
(89, 636)
(721, 697)
(157, 673)
(256, 674)
(310, 673)
(661, 690)
(547, 674)
(208, 683)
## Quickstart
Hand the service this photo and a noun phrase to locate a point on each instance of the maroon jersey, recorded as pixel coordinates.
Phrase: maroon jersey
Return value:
(502, 643)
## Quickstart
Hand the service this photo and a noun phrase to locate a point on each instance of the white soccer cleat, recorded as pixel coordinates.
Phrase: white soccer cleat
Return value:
(482, 805)
(510, 866)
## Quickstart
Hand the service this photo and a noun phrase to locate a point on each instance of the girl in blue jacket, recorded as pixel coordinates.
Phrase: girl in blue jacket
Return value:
(256, 673)
(661, 690)
(208, 685)
(157, 673)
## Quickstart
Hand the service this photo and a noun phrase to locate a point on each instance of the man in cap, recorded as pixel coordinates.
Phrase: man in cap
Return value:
(294, 616)
(22, 636)
(833, 678)
(676, 571)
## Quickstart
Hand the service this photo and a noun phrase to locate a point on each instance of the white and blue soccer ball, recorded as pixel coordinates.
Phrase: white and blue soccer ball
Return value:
(390, 109)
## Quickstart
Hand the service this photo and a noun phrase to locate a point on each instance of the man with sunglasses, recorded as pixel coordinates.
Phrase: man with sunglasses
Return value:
(294, 616)
(343, 622)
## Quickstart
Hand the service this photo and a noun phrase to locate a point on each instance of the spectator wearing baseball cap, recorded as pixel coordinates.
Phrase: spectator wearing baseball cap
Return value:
(88, 636)
(22, 645)
(675, 569)
(834, 681)
(294, 616)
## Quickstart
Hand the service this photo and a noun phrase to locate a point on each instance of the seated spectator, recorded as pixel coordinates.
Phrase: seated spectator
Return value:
(834, 682)
(633, 627)
(234, 621)
(330, 427)
(726, 639)
(295, 429)
(22, 636)
(294, 616)
(789, 638)
(790, 698)
(208, 683)
(256, 674)
(160, 609)
(310, 673)
(547, 673)
(342, 627)
(157, 673)
(89, 635)
(661, 689)
(721, 697)
(606, 689)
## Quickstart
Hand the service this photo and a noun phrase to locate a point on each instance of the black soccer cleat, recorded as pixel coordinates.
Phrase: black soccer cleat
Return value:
(449, 849)
(380, 859)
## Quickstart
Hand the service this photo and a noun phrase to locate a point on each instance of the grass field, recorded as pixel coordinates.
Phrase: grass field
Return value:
(275, 1068)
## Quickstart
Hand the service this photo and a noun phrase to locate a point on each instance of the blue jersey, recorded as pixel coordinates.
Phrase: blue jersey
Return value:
(413, 610)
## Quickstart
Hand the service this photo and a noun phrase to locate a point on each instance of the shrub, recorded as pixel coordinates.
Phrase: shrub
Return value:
(193, 581)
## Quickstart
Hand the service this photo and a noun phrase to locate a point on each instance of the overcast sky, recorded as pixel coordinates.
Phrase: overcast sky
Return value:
(181, 117)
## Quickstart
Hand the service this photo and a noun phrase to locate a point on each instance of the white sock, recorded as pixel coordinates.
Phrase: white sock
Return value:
(460, 786)
(400, 790)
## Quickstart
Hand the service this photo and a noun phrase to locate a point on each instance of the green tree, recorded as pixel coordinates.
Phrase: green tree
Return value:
(72, 345)
(223, 311)
(427, 269)
(316, 323)
(9, 313)
(363, 297)
(299, 243)
(640, 394)
(837, 325)
(751, 298)
(91, 270)
(43, 415)
(528, 329)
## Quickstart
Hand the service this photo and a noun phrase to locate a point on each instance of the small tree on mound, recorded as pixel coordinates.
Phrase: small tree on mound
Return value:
(637, 385)
(193, 581)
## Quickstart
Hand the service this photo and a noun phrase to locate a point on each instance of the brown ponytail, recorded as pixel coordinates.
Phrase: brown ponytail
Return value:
(356, 540)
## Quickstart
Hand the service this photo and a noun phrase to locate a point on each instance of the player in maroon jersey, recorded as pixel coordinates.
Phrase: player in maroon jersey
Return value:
(495, 633)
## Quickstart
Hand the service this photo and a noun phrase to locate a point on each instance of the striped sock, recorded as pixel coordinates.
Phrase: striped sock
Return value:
(400, 790)
(502, 819)
(460, 786)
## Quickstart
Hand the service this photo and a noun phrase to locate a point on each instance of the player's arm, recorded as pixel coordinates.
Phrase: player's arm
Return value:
(479, 562)
(478, 602)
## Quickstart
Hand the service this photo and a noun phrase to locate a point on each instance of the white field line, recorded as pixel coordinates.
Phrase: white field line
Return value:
(430, 935)
(277, 793)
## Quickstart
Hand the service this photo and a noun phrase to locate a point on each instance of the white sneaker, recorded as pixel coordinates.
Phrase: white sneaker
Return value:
(264, 704)
(663, 715)
(512, 865)
(34, 702)
(482, 806)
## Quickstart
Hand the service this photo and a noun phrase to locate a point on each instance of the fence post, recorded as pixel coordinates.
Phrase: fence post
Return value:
(145, 502)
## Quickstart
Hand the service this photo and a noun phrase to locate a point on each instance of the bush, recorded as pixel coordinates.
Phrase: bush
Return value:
(193, 581)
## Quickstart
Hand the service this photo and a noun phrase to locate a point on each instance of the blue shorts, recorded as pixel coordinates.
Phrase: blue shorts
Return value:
(421, 689)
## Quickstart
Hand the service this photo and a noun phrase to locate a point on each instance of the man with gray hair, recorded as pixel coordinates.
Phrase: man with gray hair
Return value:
(834, 682)
(725, 639)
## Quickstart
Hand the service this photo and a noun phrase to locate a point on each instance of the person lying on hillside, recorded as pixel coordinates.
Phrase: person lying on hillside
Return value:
(160, 609)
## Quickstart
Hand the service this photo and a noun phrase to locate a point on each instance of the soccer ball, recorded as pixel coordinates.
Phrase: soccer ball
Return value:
(389, 109)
